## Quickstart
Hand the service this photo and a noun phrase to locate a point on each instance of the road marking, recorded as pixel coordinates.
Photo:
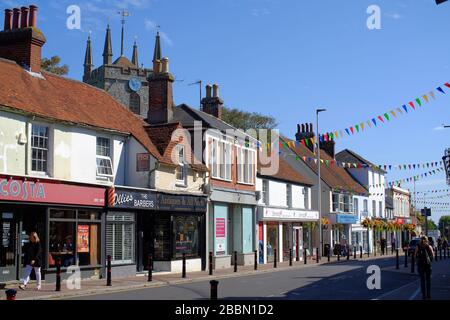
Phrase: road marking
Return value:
(414, 294)
(395, 290)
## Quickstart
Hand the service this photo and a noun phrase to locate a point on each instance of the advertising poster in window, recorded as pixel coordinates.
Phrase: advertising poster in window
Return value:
(83, 239)
(220, 236)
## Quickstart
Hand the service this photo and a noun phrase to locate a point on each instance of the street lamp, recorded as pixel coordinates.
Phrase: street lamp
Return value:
(319, 187)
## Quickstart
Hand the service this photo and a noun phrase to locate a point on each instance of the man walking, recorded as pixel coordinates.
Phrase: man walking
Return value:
(424, 256)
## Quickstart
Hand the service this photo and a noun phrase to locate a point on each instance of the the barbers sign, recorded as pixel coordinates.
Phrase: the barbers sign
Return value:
(153, 200)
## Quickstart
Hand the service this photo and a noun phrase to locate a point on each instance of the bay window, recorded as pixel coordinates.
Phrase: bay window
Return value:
(342, 203)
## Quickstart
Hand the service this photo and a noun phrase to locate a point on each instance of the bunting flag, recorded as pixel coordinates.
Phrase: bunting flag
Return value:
(396, 112)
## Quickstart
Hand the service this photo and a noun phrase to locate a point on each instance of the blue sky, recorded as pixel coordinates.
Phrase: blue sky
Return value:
(288, 57)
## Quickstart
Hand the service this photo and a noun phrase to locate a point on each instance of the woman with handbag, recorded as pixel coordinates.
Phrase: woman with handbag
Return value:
(424, 256)
(33, 260)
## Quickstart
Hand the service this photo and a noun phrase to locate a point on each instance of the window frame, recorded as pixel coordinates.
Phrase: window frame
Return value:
(289, 195)
(217, 153)
(265, 192)
(49, 149)
(134, 96)
(181, 165)
(103, 157)
(122, 224)
(246, 160)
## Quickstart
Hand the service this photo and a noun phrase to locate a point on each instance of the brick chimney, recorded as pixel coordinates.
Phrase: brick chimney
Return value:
(212, 104)
(327, 144)
(160, 108)
(21, 40)
(305, 131)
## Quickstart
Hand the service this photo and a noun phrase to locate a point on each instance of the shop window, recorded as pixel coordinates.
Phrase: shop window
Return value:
(39, 148)
(120, 237)
(73, 239)
(185, 230)
(103, 158)
(161, 241)
(272, 240)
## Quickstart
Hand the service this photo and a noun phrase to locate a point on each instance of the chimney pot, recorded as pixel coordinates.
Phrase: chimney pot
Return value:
(24, 17)
(311, 127)
(33, 16)
(16, 18)
(208, 90)
(215, 91)
(165, 65)
(157, 66)
(8, 19)
(303, 128)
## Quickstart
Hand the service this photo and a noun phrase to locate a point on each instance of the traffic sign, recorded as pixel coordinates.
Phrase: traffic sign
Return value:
(426, 212)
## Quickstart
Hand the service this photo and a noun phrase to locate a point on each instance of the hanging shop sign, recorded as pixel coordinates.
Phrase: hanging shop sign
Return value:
(153, 200)
(22, 190)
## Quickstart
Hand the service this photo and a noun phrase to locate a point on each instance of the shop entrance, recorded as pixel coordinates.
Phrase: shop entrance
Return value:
(9, 258)
(297, 242)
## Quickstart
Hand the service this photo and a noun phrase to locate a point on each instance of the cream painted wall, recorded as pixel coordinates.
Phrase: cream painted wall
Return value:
(12, 153)
(165, 179)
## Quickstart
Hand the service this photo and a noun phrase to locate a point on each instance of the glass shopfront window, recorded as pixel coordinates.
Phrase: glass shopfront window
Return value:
(185, 229)
(272, 240)
(161, 240)
(120, 238)
(74, 237)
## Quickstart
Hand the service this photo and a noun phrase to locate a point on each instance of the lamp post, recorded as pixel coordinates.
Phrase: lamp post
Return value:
(319, 187)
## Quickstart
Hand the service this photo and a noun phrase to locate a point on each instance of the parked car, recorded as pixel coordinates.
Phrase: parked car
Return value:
(412, 246)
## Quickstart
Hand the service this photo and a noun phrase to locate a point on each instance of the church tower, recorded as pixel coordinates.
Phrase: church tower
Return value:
(123, 79)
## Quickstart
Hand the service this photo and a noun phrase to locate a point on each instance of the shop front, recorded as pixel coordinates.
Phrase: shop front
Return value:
(282, 230)
(143, 222)
(341, 229)
(68, 219)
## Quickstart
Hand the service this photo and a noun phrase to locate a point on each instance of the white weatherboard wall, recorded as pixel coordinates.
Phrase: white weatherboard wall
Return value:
(12, 154)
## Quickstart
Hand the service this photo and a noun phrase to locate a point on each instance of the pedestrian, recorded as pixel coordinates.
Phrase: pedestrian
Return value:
(424, 256)
(445, 243)
(439, 243)
(33, 259)
(382, 245)
(393, 244)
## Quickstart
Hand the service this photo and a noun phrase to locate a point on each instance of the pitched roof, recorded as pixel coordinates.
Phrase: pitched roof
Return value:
(61, 99)
(335, 177)
(124, 62)
(161, 135)
(285, 172)
(348, 155)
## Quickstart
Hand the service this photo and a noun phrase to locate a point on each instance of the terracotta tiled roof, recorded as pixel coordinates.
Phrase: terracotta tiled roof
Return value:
(285, 172)
(335, 177)
(61, 99)
(161, 135)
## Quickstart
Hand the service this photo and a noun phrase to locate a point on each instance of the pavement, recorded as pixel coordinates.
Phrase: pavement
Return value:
(346, 278)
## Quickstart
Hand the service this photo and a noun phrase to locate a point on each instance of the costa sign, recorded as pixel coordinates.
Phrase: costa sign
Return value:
(50, 192)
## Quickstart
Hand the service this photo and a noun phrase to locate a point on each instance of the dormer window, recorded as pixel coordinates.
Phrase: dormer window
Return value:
(103, 158)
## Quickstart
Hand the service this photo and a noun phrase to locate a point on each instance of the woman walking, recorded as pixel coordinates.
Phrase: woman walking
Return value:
(424, 256)
(32, 260)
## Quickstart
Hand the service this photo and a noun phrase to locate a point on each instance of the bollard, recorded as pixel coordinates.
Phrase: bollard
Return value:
(297, 254)
(368, 251)
(339, 256)
(150, 268)
(354, 253)
(440, 254)
(290, 257)
(348, 254)
(406, 259)
(275, 258)
(304, 255)
(397, 260)
(214, 284)
(360, 252)
(210, 263)
(108, 271)
(392, 249)
(317, 255)
(11, 294)
(235, 261)
(183, 271)
(256, 260)
(58, 274)
(329, 253)
(412, 263)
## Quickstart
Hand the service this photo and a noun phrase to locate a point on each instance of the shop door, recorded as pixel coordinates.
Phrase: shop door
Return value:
(8, 250)
(297, 242)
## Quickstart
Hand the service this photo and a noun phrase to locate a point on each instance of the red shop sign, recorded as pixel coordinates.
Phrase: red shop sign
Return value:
(50, 192)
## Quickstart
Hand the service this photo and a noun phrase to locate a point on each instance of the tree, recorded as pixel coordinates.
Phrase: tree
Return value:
(248, 120)
(432, 225)
(444, 225)
(52, 65)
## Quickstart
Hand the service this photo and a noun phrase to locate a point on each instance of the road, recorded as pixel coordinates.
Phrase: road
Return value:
(344, 280)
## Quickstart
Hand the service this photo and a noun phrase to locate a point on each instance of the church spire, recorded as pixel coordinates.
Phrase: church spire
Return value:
(88, 65)
(107, 51)
(157, 51)
(135, 59)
